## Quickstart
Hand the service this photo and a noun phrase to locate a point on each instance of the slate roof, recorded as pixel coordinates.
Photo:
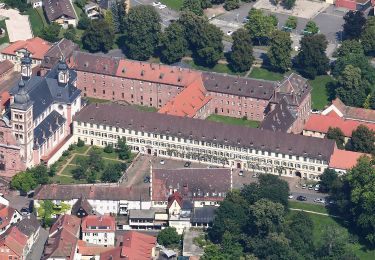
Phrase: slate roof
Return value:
(280, 119)
(28, 225)
(126, 117)
(84, 204)
(142, 214)
(204, 214)
(55, 9)
(63, 48)
(90, 192)
(238, 86)
(44, 91)
(48, 127)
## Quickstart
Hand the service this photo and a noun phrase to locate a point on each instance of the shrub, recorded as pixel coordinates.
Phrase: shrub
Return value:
(66, 153)
(80, 143)
(108, 149)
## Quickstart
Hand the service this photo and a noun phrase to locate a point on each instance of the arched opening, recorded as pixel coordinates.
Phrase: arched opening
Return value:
(148, 151)
(216, 111)
(238, 165)
(298, 174)
(92, 142)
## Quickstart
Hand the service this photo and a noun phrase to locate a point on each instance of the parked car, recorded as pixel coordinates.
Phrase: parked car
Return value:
(162, 162)
(240, 173)
(255, 175)
(304, 186)
(156, 3)
(187, 164)
(311, 187)
(25, 211)
(301, 198)
(162, 6)
(290, 196)
(146, 179)
(317, 187)
(229, 33)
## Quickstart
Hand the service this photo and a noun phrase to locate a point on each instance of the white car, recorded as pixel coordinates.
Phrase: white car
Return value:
(162, 162)
(156, 3)
(290, 196)
(162, 6)
(229, 33)
(317, 187)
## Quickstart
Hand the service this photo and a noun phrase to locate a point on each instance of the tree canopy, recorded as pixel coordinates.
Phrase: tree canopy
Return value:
(354, 24)
(260, 25)
(241, 56)
(123, 149)
(173, 43)
(311, 27)
(168, 237)
(336, 134)
(98, 37)
(51, 32)
(117, 13)
(280, 50)
(362, 140)
(194, 6)
(368, 36)
(291, 22)
(141, 33)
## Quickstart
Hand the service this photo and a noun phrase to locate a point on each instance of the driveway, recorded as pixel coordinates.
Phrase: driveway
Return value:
(18, 25)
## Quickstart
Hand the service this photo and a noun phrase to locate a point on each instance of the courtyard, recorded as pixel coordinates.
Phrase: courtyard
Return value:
(18, 26)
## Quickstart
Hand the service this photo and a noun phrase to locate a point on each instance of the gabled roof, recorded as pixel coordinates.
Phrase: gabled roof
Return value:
(188, 102)
(82, 203)
(176, 196)
(98, 223)
(36, 46)
(322, 123)
(279, 119)
(28, 225)
(135, 246)
(15, 240)
(344, 160)
(55, 9)
(6, 215)
(69, 223)
(5, 66)
(63, 48)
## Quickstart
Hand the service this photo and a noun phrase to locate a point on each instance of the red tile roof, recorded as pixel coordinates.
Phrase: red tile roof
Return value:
(188, 102)
(98, 221)
(162, 74)
(136, 246)
(176, 196)
(37, 46)
(87, 249)
(15, 240)
(69, 223)
(355, 113)
(6, 214)
(344, 160)
(321, 123)
(5, 66)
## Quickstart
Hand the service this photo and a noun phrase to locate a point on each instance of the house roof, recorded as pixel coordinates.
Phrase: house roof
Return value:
(176, 196)
(82, 203)
(55, 9)
(61, 245)
(136, 246)
(127, 117)
(344, 160)
(36, 46)
(47, 128)
(142, 213)
(28, 225)
(188, 102)
(190, 182)
(69, 223)
(239, 86)
(87, 249)
(15, 240)
(204, 214)
(355, 113)
(98, 223)
(63, 48)
(321, 124)
(90, 192)
(279, 119)
(6, 215)
(4, 99)
(5, 66)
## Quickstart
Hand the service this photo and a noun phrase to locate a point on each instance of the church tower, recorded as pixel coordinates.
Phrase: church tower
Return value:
(63, 72)
(26, 62)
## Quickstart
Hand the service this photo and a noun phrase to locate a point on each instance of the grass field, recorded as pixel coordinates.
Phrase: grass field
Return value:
(145, 108)
(92, 100)
(4, 39)
(37, 20)
(233, 121)
(219, 68)
(261, 73)
(174, 4)
(319, 94)
(307, 206)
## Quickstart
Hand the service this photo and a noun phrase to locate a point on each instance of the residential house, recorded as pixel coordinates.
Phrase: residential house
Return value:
(87, 251)
(99, 230)
(13, 244)
(8, 217)
(103, 198)
(36, 47)
(61, 12)
(62, 243)
(132, 246)
(92, 10)
(30, 227)
(147, 219)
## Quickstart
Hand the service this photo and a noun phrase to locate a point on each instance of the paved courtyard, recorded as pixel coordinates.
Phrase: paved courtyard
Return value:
(303, 8)
(18, 25)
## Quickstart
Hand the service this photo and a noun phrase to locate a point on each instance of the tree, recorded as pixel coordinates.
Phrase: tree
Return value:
(21, 5)
(95, 160)
(372, 101)
(23, 181)
(260, 25)
(213, 252)
(194, 6)
(335, 133)
(231, 4)
(311, 27)
(142, 29)
(118, 10)
(84, 22)
(108, 149)
(81, 3)
(51, 32)
(169, 237)
(79, 173)
(40, 174)
(173, 44)
(71, 33)
(354, 24)
(362, 140)
(312, 59)
(241, 57)
(368, 36)
(98, 37)
(351, 88)
(289, 4)
(123, 149)
(291, 22)
(108, 18)
(80, 143)
(349, 47)
(280, 51)
(206, 4)
(113, 172)
(327, 180)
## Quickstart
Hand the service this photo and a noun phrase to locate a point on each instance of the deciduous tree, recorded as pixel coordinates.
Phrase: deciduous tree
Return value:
(368, 36)
(354, 24)
(327, 180)
(173, 43)
(51, 32)
(98, 37)
(280, 51)
(260, 25)
(336, 134)
(231, 4)
(194, 6)
(289, 4)
(123, 149)
(311, 27)
(362, 140)
(23, 181)
(168, 237)
(241, 56)
(291, 22)
(118, 13)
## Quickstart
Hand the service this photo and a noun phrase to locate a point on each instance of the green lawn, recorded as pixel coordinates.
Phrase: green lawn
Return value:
(37, 20)
(65, 180)
(68, 170)
(320, 224)
(4, 39)
(78, 10)
(219, 68)
(145, 108)
(319, 94)
(81, 149)
(174, 4)
(307, 206)
(261, 73)
(92, 100)
(233, 121)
